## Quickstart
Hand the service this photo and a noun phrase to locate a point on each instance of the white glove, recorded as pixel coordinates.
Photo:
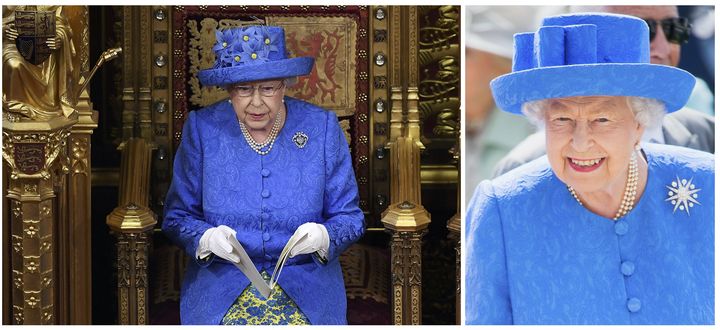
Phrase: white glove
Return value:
(317, 239)
(217, 240)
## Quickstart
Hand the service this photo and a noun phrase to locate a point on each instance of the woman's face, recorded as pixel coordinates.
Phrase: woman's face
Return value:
(257, 103)
(590, 140)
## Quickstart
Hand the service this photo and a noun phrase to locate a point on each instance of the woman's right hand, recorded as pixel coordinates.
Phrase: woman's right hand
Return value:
(219, 241)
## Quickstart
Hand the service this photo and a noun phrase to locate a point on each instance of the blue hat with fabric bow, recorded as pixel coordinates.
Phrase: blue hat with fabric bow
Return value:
(252, 53)
(588, 54)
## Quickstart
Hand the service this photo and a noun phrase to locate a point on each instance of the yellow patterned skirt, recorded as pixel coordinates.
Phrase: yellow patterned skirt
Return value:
(251, 308)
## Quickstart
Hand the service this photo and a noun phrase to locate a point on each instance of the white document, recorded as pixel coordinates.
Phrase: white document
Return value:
(247, 267)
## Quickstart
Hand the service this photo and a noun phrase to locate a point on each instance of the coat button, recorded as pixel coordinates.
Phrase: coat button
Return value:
(265, 172)
(633, 305)
(264, 216)
(265, 193)
(268, 257)
(621, 228)
(627, 268)
(266, 237)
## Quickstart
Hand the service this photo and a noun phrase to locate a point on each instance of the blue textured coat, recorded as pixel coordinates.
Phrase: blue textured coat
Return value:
(219, 180)
(535, 256)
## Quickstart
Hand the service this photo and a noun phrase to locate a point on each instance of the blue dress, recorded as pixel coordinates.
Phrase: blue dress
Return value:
(219, 180)
(535, 256)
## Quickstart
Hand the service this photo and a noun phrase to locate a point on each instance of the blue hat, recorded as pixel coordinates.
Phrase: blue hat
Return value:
(252, 53)
(588, 55)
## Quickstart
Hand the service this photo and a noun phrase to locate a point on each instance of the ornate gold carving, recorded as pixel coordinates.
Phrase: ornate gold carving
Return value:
(46, 244)
(412, 45)
(47, 315)
(406, 269)
(32, 299)
(395, 55)
(31, 230)
(18, 314)
(30, 188)
(34, 160)
(141, 305)
(32, 264)
(46, 281)
(45, 211)
(398, 304)
(439, 60)
(79, 161)
(17, 244)
(18, 280)
(17, 209)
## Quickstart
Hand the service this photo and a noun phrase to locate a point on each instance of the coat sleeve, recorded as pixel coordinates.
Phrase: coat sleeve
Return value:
(344, 220)
(487, 297)
(183, 220)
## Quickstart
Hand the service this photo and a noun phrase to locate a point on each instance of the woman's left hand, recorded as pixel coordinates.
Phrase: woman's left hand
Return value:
(317, 239)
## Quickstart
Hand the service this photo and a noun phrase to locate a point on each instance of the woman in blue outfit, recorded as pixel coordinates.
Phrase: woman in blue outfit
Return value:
(256, 169)
(602, 230)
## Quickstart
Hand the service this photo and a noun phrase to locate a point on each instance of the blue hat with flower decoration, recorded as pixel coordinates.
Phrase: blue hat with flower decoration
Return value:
(252, 53)
(588, 54)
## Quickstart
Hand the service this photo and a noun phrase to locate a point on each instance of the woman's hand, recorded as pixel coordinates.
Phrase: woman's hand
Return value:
(317, 240)
(218, 240)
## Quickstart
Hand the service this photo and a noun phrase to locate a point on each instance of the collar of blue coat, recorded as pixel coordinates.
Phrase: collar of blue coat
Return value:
(588, 54)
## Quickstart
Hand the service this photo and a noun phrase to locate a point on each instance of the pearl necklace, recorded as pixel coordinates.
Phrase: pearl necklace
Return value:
(628, 200)
(265, 147)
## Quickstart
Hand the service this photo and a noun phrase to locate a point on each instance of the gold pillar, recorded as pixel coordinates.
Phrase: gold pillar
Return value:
(137, 68)
(132, 222)
(79, 222)
(405, 219)
(35, 153)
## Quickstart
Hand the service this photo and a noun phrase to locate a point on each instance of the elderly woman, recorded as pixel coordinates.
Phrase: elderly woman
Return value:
(603, 230)
(256, 169)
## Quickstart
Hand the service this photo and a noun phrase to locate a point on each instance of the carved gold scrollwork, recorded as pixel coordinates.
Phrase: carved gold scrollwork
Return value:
(439, 60)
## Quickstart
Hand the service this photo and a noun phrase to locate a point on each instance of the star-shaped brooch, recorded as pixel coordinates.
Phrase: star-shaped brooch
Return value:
(682, 194)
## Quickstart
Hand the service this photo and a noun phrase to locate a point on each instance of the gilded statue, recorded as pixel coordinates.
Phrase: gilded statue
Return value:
(43, 90)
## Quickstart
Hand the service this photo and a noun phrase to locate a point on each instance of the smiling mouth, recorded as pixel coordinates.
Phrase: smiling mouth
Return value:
(256, 116)
(585, 165)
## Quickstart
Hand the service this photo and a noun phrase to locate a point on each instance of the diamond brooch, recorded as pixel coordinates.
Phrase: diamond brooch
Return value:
(682, 194)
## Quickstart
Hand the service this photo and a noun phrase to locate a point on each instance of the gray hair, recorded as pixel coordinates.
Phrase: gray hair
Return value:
(648, 112)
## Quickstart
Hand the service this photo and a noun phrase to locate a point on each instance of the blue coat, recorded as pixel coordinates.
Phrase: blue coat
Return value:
(535, 256)
(219, 180)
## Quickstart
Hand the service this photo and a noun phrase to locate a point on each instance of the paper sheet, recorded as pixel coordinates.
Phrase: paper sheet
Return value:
(247, 267)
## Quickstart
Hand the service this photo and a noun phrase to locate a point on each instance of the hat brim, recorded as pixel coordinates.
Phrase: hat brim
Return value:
(668, 84)
(286, 68)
